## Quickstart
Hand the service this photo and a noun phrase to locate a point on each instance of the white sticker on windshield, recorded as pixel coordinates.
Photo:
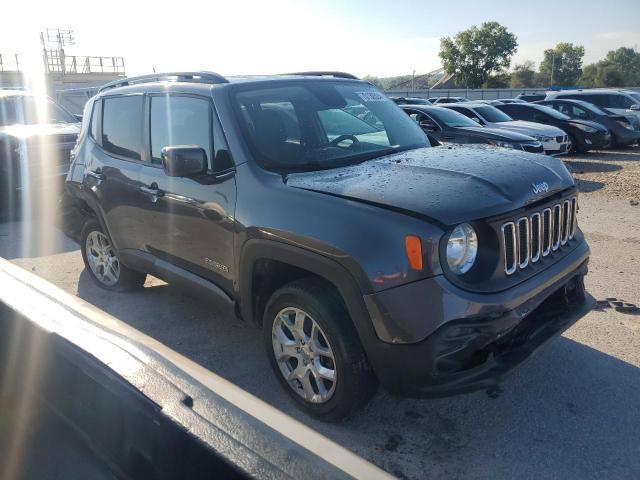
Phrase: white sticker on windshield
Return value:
(372, 96)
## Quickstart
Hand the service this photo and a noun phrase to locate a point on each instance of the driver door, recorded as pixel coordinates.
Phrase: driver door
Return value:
(189, 222)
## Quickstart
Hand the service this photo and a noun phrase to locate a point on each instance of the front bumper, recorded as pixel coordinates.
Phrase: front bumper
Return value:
(625, 136)
(559, 145)
(593, 141)
(475, 340)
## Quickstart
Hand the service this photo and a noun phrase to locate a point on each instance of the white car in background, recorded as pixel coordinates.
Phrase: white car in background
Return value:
(554, 140)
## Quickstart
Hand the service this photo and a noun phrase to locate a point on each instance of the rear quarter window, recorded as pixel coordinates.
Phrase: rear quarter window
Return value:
(93, 128)
(122, 126)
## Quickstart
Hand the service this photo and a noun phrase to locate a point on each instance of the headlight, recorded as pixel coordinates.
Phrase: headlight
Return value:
(462, 248)
(625, 124)
(543, 138)
(584, 128)
(503, 144)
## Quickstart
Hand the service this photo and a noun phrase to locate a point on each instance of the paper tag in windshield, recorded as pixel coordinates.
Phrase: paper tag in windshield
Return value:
(372, 96)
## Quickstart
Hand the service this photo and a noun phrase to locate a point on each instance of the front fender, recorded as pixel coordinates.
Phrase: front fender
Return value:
(332, 271)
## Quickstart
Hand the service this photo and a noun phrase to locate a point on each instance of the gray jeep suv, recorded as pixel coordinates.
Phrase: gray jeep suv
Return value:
(316, 208)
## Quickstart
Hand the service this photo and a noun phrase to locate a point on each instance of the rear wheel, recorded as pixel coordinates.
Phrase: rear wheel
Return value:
(315, 351)
(102, 262)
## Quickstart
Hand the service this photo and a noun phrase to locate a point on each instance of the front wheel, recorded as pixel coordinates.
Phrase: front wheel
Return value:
(315, 351)
(102, 262)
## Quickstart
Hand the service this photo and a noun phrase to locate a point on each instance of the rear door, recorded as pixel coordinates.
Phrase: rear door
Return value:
(113, 164)
(189, 222)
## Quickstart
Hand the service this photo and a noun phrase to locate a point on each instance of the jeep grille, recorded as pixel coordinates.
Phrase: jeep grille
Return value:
(529, 238)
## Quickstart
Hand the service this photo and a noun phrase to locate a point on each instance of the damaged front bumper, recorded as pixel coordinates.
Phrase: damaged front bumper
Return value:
(478, 349)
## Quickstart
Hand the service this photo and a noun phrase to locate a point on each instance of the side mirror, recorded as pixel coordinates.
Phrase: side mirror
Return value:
(477, 120)
(78, 117)
(634, 106)
(184, 161)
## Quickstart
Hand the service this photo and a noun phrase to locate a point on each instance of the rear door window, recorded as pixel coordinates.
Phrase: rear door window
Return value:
(179, 120)
(464, 111)
(122, 126)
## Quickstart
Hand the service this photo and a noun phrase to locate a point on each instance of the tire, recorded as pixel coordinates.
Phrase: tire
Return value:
(334, 344)
(119, 278)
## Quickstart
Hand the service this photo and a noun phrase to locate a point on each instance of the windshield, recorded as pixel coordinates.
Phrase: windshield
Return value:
(592, 108)
(551, 112)
(451, 118)
(301, 125)
(23, 110)
(492, 114)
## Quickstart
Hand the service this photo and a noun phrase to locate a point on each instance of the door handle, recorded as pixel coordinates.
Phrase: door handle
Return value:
(153, 191)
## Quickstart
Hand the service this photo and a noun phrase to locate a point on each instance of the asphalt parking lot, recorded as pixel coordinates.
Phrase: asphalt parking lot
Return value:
(572, 411)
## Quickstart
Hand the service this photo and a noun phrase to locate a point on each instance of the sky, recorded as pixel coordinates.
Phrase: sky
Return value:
(376, 37)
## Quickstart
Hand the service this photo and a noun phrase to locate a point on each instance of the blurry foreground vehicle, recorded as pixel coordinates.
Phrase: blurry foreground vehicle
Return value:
(86, 396)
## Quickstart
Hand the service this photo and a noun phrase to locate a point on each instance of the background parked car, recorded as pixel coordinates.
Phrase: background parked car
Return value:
(449, 100)
(616, 101)
(585, 134)
(410, 101)
(531, 97)
(447, 126)
(36, 137)
(554, 140)
(625, 129)
(511, 100)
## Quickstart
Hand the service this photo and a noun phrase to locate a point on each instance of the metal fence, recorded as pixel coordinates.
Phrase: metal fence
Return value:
(471, 93)
(57, 62)
(9, 63)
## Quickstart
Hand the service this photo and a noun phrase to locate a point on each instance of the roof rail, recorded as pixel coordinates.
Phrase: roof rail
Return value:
(326, 74)
(196, 77)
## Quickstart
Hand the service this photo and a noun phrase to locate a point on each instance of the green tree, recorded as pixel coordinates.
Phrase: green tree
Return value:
(627, 62)
(562, 64)
(523, 75)
(501, 80)
(373, 80)
(620, 68)
(475, 54)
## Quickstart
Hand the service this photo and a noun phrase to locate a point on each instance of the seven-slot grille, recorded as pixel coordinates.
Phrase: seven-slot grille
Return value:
(529, 238)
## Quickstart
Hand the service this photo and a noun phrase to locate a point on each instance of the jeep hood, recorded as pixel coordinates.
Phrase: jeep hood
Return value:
(447, 184)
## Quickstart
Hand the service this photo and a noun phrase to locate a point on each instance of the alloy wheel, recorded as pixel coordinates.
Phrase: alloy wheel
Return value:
(102, 258)
(304, 355)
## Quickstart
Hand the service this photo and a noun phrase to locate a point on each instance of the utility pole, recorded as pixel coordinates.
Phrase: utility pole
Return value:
(413, 81)
(553, 63)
